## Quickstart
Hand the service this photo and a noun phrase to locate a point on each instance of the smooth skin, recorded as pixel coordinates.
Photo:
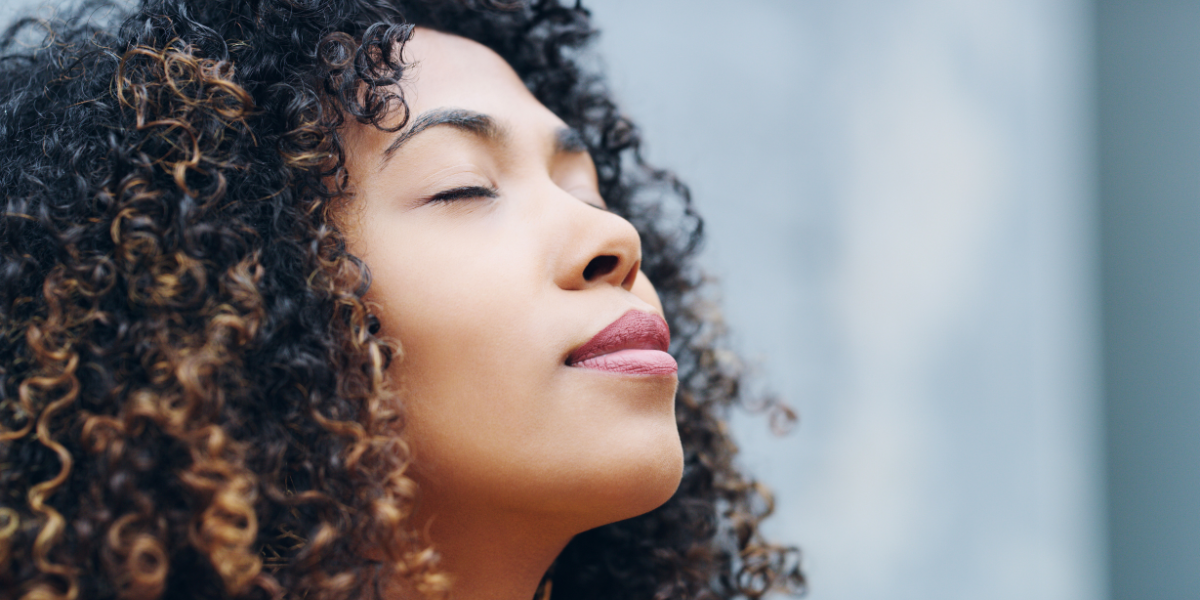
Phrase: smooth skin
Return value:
(479, 222)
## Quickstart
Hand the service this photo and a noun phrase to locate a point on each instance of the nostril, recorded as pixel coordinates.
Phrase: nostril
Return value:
(599, 267)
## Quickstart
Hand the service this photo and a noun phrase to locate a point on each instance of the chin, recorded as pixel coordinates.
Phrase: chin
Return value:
(648, 476)
(657, 486)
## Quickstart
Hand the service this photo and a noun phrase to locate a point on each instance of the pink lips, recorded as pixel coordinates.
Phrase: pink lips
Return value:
(635, 344)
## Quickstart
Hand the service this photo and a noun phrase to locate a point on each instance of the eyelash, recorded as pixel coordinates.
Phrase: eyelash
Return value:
(461, 193)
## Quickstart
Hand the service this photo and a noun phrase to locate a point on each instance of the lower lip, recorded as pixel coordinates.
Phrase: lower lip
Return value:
(632, 362)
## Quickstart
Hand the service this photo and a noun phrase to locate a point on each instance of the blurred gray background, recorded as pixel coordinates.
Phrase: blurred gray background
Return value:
(962, 239)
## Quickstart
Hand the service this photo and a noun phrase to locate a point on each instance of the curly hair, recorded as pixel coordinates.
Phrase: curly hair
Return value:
(193, 401)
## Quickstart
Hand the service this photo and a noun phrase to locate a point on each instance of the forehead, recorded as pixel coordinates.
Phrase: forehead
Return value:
(451, 71)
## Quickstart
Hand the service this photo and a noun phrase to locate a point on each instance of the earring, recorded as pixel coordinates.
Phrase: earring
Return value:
(545, 591)
(373, 324)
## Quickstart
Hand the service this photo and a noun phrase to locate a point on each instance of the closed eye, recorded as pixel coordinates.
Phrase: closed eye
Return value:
(463, 193)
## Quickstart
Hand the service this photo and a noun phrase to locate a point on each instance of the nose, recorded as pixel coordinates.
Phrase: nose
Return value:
(603, 249)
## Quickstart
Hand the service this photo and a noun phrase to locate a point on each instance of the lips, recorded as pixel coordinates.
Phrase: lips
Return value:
(635, 344)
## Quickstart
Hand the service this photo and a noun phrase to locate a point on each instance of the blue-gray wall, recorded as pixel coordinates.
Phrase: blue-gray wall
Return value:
(1149, 132)
(901, 207)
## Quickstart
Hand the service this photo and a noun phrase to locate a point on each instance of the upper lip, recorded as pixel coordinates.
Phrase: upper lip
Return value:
(634, 330)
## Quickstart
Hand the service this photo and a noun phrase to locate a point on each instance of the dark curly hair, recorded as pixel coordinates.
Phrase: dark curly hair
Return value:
(192, 399)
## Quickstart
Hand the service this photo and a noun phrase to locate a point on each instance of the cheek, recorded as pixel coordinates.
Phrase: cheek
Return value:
(642, 288)
(475, 360)
(448, 298)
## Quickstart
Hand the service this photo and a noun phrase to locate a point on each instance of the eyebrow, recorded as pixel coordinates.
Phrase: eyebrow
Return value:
(566, 139)
(466, 120)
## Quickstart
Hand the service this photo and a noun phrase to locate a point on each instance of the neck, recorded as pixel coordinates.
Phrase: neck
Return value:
(501, 561)
(493, 557)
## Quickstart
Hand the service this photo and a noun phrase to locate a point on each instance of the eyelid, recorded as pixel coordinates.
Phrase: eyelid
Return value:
(463, 192)
(587, 195)
(576, 174)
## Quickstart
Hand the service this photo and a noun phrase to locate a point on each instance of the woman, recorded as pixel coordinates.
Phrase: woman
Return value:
(300, 300)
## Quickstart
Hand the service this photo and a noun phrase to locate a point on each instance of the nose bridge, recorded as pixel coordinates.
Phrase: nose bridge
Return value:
(599, 248)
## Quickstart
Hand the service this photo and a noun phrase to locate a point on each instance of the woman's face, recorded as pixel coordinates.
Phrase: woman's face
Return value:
(495, 263)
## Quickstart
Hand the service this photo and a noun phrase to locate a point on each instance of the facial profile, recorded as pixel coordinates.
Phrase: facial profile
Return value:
(495, 265)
